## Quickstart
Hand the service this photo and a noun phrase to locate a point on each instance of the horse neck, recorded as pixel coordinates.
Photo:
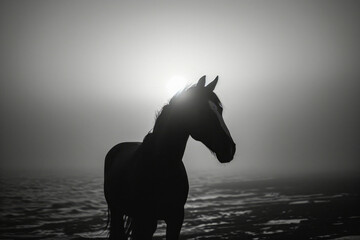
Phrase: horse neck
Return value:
(169, 137)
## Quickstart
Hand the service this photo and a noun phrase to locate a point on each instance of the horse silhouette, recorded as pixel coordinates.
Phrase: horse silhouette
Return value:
(146, 181)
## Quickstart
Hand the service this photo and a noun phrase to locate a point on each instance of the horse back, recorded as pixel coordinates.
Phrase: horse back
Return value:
(119, 155)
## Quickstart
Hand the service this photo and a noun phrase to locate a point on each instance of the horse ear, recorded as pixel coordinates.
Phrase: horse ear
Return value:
(201, 82)
(211, 86)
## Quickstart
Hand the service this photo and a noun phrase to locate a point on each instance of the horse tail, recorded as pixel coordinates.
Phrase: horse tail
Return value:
(107, 219)
(128, 226)
(120, 225)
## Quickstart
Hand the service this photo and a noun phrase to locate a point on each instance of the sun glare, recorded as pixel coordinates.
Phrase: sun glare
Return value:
(175, 84)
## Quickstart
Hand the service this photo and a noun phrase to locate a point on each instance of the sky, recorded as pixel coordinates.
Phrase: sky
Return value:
(79, 77)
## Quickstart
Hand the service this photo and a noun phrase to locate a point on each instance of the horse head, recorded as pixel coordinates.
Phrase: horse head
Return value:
(202, 115)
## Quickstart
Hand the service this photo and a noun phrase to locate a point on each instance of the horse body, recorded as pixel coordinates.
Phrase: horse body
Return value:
(142, 181)
(147, 181)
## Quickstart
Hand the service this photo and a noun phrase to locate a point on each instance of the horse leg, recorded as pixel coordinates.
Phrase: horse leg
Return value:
(116, 226)
(143, 229)
(174, 224)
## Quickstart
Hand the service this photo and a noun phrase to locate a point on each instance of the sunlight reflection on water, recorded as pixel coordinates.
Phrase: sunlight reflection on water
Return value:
(75, 208)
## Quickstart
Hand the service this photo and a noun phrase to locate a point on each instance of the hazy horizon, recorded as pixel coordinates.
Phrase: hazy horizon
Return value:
(79, 77)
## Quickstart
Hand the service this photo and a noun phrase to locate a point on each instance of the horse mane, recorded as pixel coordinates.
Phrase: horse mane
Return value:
(162, 114)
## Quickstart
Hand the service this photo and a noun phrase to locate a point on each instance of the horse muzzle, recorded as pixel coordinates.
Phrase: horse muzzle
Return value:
(228, 154)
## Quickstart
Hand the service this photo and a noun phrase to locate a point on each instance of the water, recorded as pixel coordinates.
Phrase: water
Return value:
(217, 208)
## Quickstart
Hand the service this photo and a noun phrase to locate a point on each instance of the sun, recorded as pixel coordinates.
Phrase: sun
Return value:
(175, 84)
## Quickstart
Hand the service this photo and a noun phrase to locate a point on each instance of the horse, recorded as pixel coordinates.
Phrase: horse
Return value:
(146, 181)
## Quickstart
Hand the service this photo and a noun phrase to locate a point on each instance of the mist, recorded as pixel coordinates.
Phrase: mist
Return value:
(79, 77)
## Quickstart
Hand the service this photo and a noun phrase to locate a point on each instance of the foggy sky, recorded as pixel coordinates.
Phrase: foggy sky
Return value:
(80, 77)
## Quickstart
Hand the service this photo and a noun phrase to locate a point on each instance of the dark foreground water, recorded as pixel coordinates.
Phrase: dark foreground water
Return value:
(217, 208)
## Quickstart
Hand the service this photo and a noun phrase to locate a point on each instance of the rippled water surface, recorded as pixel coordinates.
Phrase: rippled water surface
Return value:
(217, 208)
